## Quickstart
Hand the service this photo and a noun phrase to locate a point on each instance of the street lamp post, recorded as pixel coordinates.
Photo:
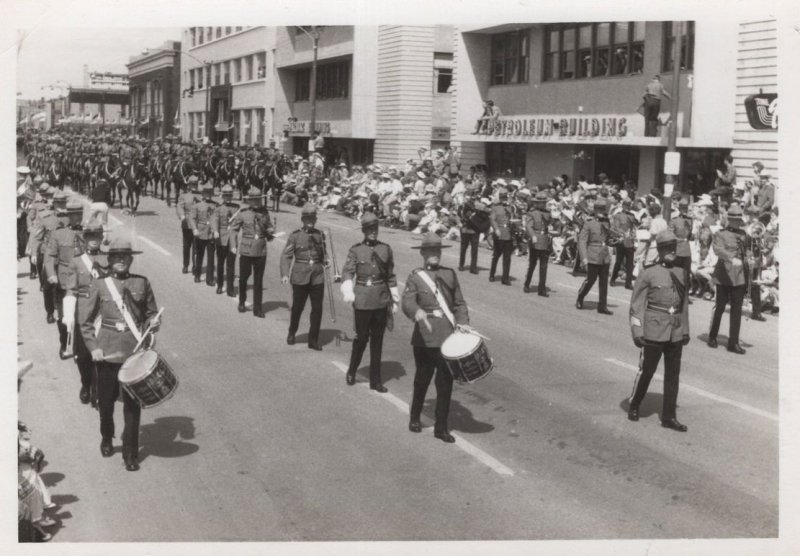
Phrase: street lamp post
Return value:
(671, 178)
(312, 94)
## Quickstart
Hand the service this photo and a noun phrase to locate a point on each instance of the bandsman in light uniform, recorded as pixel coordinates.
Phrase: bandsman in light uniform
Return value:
(200, 220)
(593, 252)
(46, 223)
(184, 210)
(220, 227)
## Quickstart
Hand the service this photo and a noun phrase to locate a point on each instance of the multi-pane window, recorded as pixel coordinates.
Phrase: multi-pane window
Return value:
(155, 98)
(219, 32)
(248, 67)
(260, 126)
(217, 73)
(200, 32)
(228, 30)
(581, 50)
(510, 57)
(261, 60)
(226, 72)
(238, 29)
(687, 44)
(237, 70)
(442, 72)
(333, 81)
(501, 157)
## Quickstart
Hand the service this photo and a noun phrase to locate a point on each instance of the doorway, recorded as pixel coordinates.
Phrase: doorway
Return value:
(618, 163)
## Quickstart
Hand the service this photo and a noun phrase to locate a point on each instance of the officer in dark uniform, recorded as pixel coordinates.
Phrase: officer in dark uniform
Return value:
(306, 247)
(537, 225)
(220, 227)
(471, 213)
(370, 285)
(731, 247)
(41, 202)
(623, 225)
(114, 341)
(255, 225)
(500, 217)
(183, 207)
(593, 251)
(431, 328)
(200, 220)
(47, 223)
(84, 269)
(681, 226)
(659, 319)
(64, 244)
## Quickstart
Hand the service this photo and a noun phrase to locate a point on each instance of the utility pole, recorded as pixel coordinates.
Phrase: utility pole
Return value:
(313, 85)
(672, 158)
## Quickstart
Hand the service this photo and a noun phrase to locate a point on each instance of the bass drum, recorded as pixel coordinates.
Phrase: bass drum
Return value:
(467, 357)
(148, 378)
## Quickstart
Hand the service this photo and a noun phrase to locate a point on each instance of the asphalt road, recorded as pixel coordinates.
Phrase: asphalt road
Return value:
(266, 442)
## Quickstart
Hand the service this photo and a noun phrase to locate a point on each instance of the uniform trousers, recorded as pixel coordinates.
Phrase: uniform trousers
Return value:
(652, 107)
(62, 328)
(107, 393)
(86, 367)
(428, 361)
(469, 239)
(48, 289)
(755, 294)
(201, 247)
(595, 271)
(541, 256)
(623, 254)
(735, 296)
(502, 247)
(255, 265)
(300, 293)
(22, 236)
(370, 325)
(225, 267)
(188, 248)
(649, 357)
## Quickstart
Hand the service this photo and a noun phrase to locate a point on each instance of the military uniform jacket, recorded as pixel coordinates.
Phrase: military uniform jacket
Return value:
(33, 211)
(307, 248)
(371, 268)
(184, 208)
(201, 217)
(729, 244)
(114, 337)
(536, 224)
(64, 244)
(418, 295)
(500, 217)
(47, 223)
(219, 223)
(659, 305)
(593, 241)
(80, 278)
(681, 226)
(624, 224)
(256, 229)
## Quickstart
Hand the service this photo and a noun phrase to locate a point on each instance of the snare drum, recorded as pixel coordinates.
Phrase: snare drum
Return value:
(467, 357)
(148, 378)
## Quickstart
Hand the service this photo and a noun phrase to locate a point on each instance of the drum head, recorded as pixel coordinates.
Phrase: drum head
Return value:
(137, 366)
(459, 344)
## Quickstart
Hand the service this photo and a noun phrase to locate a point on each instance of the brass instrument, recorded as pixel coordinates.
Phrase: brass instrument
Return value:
(328, 281)
(337, 276)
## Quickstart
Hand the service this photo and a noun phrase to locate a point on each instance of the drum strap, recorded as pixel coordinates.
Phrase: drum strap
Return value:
(89, 265)
(112, 288)
(439, 297)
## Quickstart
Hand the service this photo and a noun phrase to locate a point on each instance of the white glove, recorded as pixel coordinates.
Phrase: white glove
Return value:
(395, 294)
(68, 319)
(347, 291)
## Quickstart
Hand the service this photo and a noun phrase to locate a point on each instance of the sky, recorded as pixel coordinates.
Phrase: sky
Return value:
(50, 54)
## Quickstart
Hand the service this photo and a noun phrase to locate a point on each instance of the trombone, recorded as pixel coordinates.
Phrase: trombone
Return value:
(337, 276)
(328, 281)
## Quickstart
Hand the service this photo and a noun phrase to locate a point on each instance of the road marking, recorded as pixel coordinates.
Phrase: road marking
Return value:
(115, 220)
(574, 287)
(461, 443)
(704, 393)
(154, 245)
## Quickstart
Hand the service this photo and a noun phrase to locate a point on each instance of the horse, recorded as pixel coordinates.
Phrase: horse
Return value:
(243, 176)
(155, 168)
(225, 171)
(55, 173)
(209, 168)
(110, 170)
(258, 175)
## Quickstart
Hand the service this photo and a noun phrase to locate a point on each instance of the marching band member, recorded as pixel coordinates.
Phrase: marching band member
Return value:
(624, 225)
(593, 249)
(200, 218)
(184, 209)
(226, 257)
(432, 299)
(46, 223)
(536, 227)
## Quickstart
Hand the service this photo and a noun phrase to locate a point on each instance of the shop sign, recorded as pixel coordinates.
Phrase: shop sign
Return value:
(303, 127)
(440, 134)
(762, 110)
(557, 127)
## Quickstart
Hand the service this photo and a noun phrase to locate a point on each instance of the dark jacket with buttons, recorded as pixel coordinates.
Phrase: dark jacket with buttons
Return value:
(304, 246)
(256, 229)
(536, 227)
(659, 304)
(417, 295)
(200, 218)
(593, 241)
(681, 226)
(370, 264)
(219, 223)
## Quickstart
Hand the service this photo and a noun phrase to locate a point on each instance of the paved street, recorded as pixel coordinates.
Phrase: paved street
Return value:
(266, 442)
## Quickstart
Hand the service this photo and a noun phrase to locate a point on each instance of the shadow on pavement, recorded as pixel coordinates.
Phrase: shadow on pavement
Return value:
(390, 370)
(722, 340)
(326, 336)
(165, 437)
(273, 305)
(460, 418)
(651, 404)
(51, 479)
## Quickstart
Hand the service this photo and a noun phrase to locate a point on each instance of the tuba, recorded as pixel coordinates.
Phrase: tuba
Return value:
(756, 230)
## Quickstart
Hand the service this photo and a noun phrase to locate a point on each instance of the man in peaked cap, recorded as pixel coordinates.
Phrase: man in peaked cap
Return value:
(659, 320)
(624, 225)
(539, 242)
(183, 208)
(500, 218)
(224, 240)
(305, 247)
(121, 300)
(593, 251)
(200, 220)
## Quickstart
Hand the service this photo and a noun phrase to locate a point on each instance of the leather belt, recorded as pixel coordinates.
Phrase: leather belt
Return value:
(369, 282)
(435, 313)
(601, 244)
(117, 325)
(669, 309)
(309, 261)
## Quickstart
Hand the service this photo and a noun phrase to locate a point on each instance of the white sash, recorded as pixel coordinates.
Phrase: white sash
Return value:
(89, 266)
(439, 297)
(112, 287)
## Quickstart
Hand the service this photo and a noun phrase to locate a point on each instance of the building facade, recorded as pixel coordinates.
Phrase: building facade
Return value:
(154, 89)
(571, 99)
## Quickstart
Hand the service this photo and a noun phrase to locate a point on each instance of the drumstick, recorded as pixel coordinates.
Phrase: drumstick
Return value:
(471, 330)
(147, 332)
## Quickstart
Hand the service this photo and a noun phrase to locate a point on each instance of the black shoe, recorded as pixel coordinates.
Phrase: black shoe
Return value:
(674, 424)
(185, 270)
(506, 282)
(736, 348)
(579, 303)
(231, 294)
(379, 388)
(445, 436)
(543, 294)
(219, 290)
(33, 276)
(84, 395)
(605, 311)
(50, 318)
(633, 413)
(290, 339)
(106, 449)
(628, 286)
(62, 354)
(473, 270)
(414, 425)
(259, 314)
(491, 278)
(712, 343)
(315, 346)
(132, 464)
(210, 283)
(461, 269)
(527, 289)
(196, 279)
(613, 283)
(759, 318)
(350, 378)
(241, 308)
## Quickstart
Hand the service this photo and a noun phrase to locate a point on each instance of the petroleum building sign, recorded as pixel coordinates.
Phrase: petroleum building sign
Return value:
(558, 127)
(302, 127)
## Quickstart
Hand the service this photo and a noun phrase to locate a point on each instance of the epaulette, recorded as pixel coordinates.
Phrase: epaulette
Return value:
(316, 231)
(357, 244)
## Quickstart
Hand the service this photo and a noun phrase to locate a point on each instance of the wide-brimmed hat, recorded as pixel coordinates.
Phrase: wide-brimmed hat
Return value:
(23, 170)
(309, 209)
(369, 220)
(421, 175)
(73, 206)
(541, 197)
(227, 190)
(665, 237)
(207, 188)
(431, 241)
(121, 247)
(254, 193)
(735, 212)
(93, 227)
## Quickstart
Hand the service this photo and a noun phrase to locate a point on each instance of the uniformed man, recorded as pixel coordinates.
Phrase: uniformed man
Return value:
(41, 202)
(537, 225)
(681, 226)
(500, 217)
(84, 269)
(254, 225)
(471, 212)
(122, 300)
(730, 246)
(224, 240)
(63, 245)
(200, 220)
(47, 223)
(306, 247)
(184, 209)
(433, 323)
(624, 225)
(593, 251)
(659, 319)
(370, 285)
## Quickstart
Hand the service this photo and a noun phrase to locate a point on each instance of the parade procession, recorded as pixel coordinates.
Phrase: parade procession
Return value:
(262, 257)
